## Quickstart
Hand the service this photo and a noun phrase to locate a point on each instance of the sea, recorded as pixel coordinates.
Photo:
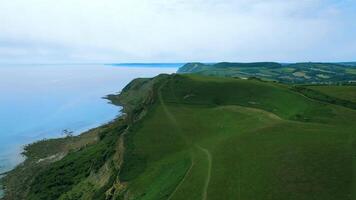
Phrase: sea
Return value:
(40, 101)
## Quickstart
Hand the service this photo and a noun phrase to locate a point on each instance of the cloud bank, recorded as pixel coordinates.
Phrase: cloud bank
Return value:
(177, 30)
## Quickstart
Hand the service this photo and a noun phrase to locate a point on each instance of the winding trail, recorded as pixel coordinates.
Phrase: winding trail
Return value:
(205, 151)
(207, 180)
(182, 181)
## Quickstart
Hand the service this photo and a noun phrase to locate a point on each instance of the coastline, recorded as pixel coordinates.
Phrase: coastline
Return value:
(134, 99)
(30, 159)
(38, 157)
(2, 190)
(77, 104)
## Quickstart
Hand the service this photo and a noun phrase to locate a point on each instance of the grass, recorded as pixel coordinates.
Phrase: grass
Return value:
(323, 96)
(201, 137)
(351, 70)
(343, 92)
(221, 138)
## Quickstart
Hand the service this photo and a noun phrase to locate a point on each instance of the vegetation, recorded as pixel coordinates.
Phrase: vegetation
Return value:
(204, 137)
(320, 93)
(345, 92)
(54, 168)
(40, 155)
(326, 73)
(221, 138)
(60, 177)
(77, 167)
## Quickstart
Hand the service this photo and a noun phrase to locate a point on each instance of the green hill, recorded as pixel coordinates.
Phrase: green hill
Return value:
(285, 73)
(214, 138)
(201, 137)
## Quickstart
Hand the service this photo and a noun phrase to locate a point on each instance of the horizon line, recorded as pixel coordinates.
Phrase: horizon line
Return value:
(163, 63)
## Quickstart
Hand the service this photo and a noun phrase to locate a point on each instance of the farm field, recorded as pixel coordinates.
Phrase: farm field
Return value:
(291, 73)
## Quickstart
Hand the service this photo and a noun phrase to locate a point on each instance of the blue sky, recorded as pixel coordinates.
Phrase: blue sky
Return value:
(177, 30)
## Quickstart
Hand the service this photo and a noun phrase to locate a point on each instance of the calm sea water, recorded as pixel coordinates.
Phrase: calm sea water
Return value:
(40, 101)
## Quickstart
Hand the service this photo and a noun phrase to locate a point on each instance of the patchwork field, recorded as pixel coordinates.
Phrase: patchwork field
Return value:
(301, 73)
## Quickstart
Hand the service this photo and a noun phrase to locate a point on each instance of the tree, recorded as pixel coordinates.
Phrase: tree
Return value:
(67, 133)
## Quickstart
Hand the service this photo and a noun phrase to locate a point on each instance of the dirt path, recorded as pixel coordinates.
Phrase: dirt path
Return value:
(182, 181)
(168, 113)
(175, 122)
(205, 151)
(207, 180)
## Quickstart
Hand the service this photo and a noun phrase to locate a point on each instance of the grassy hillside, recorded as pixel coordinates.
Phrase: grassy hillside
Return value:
(286, 73)
(342, 92)
(201, 137)
(214, 138)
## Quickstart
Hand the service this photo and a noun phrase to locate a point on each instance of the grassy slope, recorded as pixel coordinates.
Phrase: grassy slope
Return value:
(343, 92)
(211, 138)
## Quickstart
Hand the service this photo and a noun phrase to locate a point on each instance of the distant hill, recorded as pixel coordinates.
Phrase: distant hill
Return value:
(349, 63)
(308, 72)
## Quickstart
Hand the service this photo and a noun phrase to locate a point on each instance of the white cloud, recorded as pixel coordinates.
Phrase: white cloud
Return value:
(176, 30)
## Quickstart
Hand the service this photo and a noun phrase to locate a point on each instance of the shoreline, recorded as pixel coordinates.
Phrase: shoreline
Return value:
(33, 161)
(41, 154)
(78, 133)
(2, 190)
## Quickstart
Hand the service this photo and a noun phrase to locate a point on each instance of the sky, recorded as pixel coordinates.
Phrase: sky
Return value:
(102, 31)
